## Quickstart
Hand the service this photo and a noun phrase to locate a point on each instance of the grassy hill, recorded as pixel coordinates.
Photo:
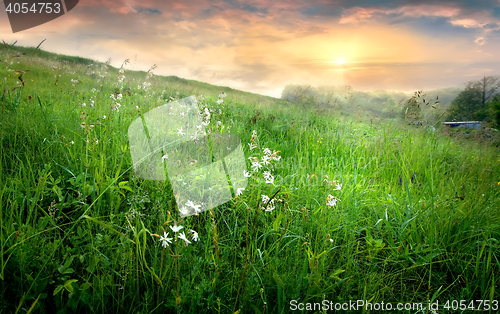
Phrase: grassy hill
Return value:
(335, 210)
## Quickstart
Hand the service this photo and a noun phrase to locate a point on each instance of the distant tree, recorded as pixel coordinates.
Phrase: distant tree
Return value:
(417, 110)
(472, 102)
(297, 93)
(412, 112)
(389, 108)
(494, 106)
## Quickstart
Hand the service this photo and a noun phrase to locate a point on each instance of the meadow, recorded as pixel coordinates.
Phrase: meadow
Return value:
(337, 208)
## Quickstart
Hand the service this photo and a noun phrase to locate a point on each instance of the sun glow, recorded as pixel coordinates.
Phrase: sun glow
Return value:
(340, 61)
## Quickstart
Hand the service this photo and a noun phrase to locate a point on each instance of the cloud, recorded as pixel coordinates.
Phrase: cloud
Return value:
(455, 14)
(260, 45)
(480, 41)
(428, 10)
(361, 14)
(358, 14)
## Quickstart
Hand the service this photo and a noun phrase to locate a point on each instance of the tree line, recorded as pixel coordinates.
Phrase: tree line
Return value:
(479, 101)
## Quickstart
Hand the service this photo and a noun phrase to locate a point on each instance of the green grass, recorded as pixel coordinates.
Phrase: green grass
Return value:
(417, 219)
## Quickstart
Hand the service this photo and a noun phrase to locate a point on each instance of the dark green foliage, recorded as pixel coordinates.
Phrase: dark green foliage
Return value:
(465, 106)
(412, 112)
(494, 106)
(472, 103)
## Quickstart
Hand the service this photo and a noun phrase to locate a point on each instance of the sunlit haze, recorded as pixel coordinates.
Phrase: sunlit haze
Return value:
(261, 46)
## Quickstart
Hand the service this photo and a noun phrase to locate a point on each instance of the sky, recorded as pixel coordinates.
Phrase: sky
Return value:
(261, 46)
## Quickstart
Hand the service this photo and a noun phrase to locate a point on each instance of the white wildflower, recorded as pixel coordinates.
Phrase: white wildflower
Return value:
(331, 201)
(184, 211)
(176, 228)
(256, 166)
(165, 240)
(270, 208)
(265, 160)
(193, 206)
(164, 157)
(270, 179)
(195, 235)
(265, 198)
(183, 237)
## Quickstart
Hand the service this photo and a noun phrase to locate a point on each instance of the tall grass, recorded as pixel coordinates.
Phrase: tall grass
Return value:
(417, 218)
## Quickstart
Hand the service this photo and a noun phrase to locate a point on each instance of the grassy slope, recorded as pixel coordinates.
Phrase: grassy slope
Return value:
(417, 218)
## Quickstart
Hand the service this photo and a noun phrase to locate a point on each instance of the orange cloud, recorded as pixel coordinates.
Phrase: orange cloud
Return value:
(261, 46)
(428, 10)
(358, 14)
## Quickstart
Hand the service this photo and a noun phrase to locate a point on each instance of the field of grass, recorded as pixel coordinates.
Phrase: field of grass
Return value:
(356, 211)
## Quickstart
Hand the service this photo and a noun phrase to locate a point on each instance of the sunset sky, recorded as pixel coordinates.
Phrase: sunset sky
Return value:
(261, 46)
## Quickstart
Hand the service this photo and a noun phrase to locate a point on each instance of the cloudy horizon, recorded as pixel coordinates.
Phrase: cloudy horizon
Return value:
(260, 46)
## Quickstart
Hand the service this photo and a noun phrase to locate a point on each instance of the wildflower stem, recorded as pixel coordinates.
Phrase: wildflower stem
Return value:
(161, 269)
(177, 297)
(247, 259)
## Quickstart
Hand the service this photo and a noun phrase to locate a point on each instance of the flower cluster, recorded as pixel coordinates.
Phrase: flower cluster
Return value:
(146, 85)
(166, 241)
(265, 163)
(331, 201)
(269, 206)
(87, 128)
(205, 115)
(150, 72)
(115, 105)
(195, 208)
(121, 72)
(338, 186)
(221, 98)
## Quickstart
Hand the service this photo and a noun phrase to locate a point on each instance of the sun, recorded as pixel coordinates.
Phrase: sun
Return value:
(340, 61)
